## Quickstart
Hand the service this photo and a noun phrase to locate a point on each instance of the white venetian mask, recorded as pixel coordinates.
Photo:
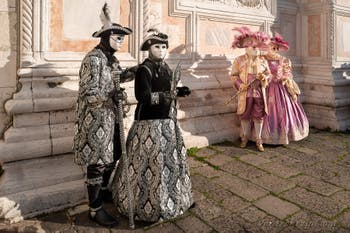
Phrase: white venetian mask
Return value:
(252, 51)
(158, 51)
(116, 41)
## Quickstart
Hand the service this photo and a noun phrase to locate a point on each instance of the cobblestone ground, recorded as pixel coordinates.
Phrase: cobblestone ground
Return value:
(302, 187)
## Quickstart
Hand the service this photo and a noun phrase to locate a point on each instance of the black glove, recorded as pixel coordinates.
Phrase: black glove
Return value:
(128, 74)
(119, 95)
(167, 97)
(1, 168)
(183, 91)
(133, 69)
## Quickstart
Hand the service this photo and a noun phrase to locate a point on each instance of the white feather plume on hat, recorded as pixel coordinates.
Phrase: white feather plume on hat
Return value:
(107, 24)
(105, 16)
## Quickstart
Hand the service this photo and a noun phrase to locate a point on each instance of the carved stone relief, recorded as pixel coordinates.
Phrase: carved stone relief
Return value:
(345, 38)
(156, 16)
(236, 3)
(253, 3)
(88, 17)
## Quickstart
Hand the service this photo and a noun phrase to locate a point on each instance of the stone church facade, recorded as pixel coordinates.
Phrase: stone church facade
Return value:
(44, 41)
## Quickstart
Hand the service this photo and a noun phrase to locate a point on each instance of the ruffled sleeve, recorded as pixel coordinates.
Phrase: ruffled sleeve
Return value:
(291, 85)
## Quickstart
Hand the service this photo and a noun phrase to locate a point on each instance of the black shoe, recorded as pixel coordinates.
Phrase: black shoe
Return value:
(1, 168)
(102, 217)
(193, 205)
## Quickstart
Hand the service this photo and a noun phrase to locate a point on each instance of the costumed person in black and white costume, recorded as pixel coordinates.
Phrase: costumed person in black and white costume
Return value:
(158, 167)
(96, 142)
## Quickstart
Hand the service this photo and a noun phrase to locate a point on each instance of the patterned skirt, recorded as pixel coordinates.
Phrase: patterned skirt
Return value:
(158, 171)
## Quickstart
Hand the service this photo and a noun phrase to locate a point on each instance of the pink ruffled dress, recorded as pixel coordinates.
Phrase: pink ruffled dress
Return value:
(286, 120)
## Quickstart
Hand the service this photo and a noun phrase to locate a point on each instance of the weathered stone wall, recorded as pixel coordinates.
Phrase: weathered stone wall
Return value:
(8, 57)
(288, 24)
(53, 42)
(325, 62)
(200, 36)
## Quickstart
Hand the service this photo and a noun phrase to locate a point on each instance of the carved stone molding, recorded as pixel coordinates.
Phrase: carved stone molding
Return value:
(35, 37)
(331, 30)
(146, 12)
(146, 16)
(253, 3)
(26, 32)
(242, 8)
(222, 16)
(237, 3)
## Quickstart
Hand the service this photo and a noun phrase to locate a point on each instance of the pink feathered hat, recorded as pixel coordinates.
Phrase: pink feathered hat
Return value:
(247, 38)
(278, 40)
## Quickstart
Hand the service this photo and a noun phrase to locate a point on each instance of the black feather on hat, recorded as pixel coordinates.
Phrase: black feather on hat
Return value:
(154, 37)
(108, 26)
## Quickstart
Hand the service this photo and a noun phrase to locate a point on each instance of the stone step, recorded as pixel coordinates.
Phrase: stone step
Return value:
(210, 124)
(48, 199)
(200, 111)
(24, 150)
(203, 131)
(39, 132)
(36, 173)
(210, 138)
(209, 97)
(29, 149)
(23, 134)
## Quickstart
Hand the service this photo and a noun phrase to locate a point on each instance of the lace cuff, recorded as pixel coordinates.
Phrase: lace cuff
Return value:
(154, 98)
(94, 181)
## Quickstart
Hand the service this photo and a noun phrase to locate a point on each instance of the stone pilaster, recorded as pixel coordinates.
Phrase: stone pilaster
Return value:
(325, 60)
(8, 57)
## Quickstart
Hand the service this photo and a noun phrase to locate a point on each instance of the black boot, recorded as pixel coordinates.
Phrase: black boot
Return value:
(193, 205)
(105, 193)
(1, 168)
(102, 217)
(97, 213)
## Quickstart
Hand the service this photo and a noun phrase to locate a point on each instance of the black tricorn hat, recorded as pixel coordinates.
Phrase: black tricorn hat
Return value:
(108, 26)
(154, 37)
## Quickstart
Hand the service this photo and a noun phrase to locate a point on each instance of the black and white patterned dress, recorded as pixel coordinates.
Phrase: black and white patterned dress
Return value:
(158, 167)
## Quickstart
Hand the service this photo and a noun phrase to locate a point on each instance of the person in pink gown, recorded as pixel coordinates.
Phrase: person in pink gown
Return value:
(250, 74)
(286, 120)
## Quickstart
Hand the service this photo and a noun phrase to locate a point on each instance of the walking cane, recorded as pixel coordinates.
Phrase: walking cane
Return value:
(239, 92)
(255, 71)
(116, 79)
(174, 81)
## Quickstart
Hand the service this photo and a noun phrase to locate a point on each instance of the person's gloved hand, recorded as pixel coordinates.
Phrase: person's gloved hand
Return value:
(168, 96)
(261, 77)
(133, 69)
(119, 95)
(243, 87)
(183, 91)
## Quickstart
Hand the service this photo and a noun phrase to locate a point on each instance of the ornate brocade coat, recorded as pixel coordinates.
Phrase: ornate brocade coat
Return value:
(242, 66)
(94, 128)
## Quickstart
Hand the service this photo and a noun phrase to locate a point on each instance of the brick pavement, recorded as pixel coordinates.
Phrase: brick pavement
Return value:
(302, 187)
